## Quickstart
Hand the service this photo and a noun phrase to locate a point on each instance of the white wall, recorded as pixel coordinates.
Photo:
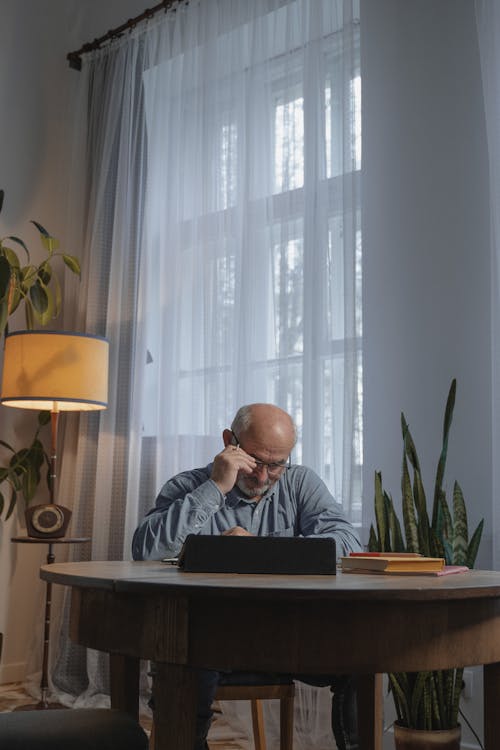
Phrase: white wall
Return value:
(426, 244)
(426, 251)
(35, 83)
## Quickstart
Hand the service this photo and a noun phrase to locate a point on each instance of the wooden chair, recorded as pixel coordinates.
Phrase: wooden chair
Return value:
(284, 692)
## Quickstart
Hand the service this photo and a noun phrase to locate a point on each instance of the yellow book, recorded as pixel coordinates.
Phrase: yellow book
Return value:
(387, 563)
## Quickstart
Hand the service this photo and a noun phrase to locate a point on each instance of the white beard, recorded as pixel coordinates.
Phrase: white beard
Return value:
(250, 490)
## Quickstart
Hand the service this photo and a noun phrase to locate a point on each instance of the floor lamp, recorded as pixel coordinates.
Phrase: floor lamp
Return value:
(56, 371)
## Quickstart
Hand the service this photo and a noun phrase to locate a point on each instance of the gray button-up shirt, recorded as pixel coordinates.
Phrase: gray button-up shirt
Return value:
(298, 504)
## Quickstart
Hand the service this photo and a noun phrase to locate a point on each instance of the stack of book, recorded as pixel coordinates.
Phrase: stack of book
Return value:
(397, 563)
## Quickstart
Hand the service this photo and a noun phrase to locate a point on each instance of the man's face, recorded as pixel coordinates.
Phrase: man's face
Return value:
(271, 456)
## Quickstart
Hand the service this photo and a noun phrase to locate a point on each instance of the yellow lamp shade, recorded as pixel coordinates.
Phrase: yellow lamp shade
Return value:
(55, 371)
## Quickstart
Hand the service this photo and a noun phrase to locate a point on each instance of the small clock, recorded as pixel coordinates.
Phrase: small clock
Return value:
(47, 520)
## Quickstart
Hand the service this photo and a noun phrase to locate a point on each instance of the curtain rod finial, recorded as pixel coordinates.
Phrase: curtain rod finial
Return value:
(75, 61)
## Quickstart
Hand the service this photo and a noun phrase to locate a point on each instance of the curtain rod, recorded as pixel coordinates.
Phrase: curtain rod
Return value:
(74, 58)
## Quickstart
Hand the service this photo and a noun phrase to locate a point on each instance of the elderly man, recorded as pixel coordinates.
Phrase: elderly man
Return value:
(251, 488)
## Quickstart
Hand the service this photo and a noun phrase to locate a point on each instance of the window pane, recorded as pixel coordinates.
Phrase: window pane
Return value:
(288, 293)
(289, 144)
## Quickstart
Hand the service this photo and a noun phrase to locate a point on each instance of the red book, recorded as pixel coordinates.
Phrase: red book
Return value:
(384, 554)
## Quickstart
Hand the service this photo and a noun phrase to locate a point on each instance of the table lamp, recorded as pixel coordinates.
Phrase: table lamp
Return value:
(56, 371)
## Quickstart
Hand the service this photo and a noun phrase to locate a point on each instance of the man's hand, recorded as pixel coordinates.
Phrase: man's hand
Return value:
(226, 466)
(236, 531)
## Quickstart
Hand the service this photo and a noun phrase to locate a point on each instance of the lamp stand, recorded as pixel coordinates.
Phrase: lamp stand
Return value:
(44, 681)
(43, 703)
(54, 423)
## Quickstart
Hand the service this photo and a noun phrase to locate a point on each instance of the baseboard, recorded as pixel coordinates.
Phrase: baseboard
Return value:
(14, 672)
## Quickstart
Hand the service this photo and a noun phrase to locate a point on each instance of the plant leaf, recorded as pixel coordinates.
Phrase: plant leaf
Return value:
(14, 291)
(400, 690)
(43, 418)
(373, 544)
(424, 535)
(380, 513)
(460, 531)
(57, 296)
(44, 272)
(409, 444)
(5, 274)
(51, 244)
(4, 315)
(396, 537)
(448, 417)
(474, 545)
(18, 241)
(42, 231)
(417, 695)
(409, 519)
(437, 546)
(12, 504)
(39, 298)
(73, 263)
(28, 312)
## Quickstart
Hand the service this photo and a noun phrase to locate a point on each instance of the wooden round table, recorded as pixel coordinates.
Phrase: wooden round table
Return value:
(348, 623)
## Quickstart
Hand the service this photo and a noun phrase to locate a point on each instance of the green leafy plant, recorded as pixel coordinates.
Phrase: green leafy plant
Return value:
(425, 700)
(23, 473)
(37, 289)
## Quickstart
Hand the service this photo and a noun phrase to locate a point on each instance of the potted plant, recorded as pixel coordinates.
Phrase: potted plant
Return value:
(425, 701)
(36, 288)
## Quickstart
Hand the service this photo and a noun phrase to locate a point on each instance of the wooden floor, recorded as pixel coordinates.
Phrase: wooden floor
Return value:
(221, 735)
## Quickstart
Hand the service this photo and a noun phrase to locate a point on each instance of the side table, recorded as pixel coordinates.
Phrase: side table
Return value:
(44, 682)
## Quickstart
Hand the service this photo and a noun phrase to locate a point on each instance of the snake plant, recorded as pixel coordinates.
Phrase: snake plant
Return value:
(425, 700)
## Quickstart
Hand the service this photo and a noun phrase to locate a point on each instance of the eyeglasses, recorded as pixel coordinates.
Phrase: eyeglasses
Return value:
(273, 469)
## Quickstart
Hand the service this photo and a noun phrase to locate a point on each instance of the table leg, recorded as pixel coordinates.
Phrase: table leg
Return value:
(124, 683)
(370, 711)
(491, 680)
(175, 690)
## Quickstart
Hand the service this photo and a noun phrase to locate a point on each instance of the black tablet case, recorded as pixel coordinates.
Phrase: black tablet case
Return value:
(258, 554)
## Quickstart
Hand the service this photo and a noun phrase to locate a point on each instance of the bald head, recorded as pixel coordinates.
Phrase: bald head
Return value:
(266, 424)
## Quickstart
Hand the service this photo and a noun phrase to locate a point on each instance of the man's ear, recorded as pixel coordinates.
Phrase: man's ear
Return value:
(228, 438)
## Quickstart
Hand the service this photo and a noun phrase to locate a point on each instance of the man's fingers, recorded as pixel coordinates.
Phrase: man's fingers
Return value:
(238, 458)
(228, 463)
(236, 531)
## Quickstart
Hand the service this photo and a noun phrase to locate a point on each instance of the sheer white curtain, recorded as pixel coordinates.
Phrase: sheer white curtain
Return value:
(250, 269)
(217, 195)
(488, 26)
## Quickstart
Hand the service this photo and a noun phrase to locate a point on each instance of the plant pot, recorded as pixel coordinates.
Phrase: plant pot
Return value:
(422, 739)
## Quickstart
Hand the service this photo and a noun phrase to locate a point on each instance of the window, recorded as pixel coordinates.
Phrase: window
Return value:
(254, 240)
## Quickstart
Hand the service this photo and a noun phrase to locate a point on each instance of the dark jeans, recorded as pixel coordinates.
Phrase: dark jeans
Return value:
(344, 709)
